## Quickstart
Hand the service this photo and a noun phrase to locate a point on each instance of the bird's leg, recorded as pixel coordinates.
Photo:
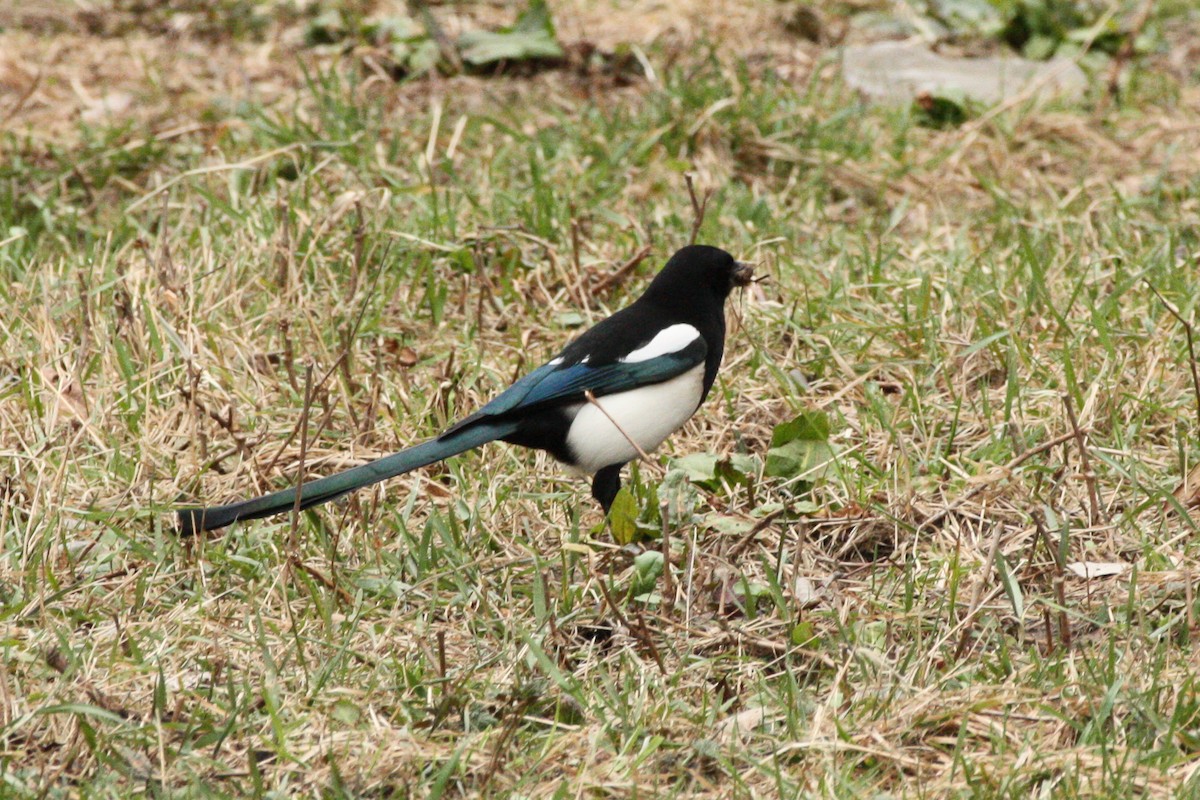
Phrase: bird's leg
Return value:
(606, 484)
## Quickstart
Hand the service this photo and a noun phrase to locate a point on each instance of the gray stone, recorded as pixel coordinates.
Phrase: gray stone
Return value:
(899, 72)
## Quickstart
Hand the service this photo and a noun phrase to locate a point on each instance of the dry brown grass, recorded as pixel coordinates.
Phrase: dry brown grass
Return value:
(464, 630)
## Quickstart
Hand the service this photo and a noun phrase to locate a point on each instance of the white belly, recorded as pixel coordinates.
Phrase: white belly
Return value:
(648, 415)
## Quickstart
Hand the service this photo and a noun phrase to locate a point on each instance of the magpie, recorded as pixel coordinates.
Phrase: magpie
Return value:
(616, 392)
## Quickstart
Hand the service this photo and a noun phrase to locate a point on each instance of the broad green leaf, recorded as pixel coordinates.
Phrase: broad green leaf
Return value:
(531, 37)
(727, 525)
(698, 467)
(486, 47)
(622, 517)
(710, 471)
(806, 425)
(535, 19)
(1040, 47)
(346, 712)
(802, 457)
(391, 29)
(973, 16)
(647, 567)
(801, 447)
(416, 56)
(804, 633)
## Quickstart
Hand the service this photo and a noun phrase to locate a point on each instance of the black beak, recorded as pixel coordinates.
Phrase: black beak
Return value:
(743, 274)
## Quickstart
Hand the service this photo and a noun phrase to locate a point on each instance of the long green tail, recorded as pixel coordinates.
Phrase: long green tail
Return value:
(325, 489)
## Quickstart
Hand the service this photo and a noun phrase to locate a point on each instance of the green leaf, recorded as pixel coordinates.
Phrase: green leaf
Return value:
(809, 425)
(83, 709)
(424, 56)
(535, 19)
(647, 566)
(727, 525)
(971, 16)
(622, 517)
(801, 448)
(698, 467)
(679, 494)
(711, 471)
(486, 47)
(531, 37)
(346, 712)
(751, 594)
(803, 633)
(1040, 47)
(800, 458)
(391, 29)
(1012, 586)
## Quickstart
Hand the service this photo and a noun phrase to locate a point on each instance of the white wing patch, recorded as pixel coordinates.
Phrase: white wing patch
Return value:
(669, 340)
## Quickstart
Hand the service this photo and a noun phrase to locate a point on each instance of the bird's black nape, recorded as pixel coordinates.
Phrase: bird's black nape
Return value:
(701, 268)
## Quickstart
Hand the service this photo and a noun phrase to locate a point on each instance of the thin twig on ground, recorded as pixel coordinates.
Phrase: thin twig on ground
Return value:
(1064, 624)
(1191, 343)
(1089, 474)
(969, 621)
(754, 531)
(622, 272)
(296, 428)
(668, 581)
(326, 581)
(23, 99)
(699, 206)
(293, 536)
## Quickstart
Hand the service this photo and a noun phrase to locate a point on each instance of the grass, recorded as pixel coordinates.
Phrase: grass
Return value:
(232, 282)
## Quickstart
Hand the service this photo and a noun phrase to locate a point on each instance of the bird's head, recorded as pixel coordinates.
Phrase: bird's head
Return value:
(700, 268)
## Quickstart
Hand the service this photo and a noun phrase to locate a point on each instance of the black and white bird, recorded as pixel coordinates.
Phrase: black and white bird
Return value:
(616, 392)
